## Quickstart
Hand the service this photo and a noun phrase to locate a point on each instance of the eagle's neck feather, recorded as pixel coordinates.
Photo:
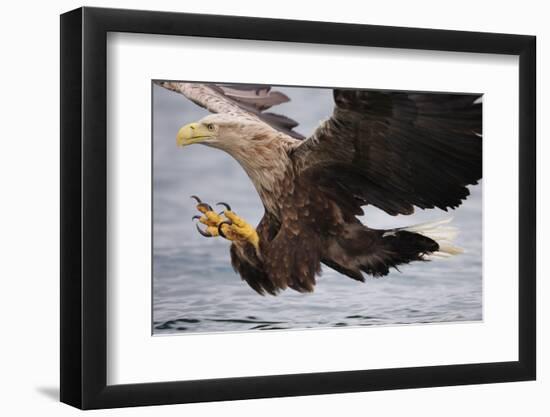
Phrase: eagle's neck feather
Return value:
(266, 161)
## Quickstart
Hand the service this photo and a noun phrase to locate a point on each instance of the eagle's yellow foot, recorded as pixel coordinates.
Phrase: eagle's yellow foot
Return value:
(226, 224)
(236, 229)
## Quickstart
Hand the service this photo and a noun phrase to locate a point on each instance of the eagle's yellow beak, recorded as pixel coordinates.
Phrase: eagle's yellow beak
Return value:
(192, 133)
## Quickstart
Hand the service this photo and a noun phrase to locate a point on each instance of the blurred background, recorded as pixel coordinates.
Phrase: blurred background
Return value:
(196, 290)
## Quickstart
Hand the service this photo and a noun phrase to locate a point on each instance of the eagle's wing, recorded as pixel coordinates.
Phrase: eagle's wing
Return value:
(246, 101)
(396, 150)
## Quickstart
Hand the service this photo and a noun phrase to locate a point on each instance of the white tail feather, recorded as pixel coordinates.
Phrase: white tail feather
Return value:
(442, 233)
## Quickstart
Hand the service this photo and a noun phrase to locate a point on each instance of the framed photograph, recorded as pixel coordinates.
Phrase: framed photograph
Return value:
(356, 211)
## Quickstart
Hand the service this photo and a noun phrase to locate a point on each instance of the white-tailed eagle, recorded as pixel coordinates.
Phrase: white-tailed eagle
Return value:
(392, 150)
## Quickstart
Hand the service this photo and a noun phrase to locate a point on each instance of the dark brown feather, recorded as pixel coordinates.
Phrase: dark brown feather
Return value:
(316, 229)
(398, 150)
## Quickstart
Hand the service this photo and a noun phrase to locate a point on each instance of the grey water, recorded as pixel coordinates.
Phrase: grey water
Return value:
(196, 290)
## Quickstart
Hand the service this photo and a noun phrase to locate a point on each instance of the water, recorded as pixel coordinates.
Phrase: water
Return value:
(196, 290)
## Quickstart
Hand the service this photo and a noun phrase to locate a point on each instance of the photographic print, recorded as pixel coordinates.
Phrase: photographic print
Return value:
(279, 207)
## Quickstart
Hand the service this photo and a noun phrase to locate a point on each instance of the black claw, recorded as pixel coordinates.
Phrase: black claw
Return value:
(220, 231)
(197, 199)
(202, 232)
(227, 206)
(195, 217)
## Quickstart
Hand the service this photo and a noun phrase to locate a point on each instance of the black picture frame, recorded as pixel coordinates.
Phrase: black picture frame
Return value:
(84, 207)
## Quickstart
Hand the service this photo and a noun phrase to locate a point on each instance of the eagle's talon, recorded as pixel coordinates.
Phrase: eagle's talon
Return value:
(202, 232)
(227, 206)
(236, 230)
(220, 228)
(202, 207)
(209, 218)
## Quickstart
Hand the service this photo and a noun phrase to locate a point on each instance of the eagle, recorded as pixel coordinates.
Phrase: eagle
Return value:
(396, 151)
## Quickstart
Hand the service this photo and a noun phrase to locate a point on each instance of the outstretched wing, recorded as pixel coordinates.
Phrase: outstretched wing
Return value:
(397, 150)
(246, 101)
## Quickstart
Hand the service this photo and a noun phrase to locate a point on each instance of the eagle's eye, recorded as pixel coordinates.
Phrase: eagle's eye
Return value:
(210, 126)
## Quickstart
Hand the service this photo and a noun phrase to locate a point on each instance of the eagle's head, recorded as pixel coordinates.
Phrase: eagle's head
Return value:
(222, 131)
(257, 147)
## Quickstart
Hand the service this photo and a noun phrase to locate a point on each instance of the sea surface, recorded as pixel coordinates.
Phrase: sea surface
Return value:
(196, 290)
